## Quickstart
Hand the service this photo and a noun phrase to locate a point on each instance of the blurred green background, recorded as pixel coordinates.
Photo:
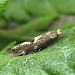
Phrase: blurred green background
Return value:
(22, 20)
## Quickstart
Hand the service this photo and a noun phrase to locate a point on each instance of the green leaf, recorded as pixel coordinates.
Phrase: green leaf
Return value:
(64, 6)
(26, 10)
(3, 4)
(39, 7)
(57, 59)
(15, 11)
(29, 30)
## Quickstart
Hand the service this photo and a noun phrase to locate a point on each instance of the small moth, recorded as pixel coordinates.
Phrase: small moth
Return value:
(36, 43)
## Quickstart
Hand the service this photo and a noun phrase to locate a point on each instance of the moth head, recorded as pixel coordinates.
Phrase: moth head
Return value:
(59, 32)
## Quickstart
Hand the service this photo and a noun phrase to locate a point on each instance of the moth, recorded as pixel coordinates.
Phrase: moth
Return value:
(36, 43)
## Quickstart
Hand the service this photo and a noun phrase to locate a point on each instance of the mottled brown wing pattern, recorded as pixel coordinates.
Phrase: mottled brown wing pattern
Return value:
(36, 43)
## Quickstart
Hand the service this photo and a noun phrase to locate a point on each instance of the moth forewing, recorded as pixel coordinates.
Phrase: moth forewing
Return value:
(45, 39)
(35, 44)
(23, 48)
